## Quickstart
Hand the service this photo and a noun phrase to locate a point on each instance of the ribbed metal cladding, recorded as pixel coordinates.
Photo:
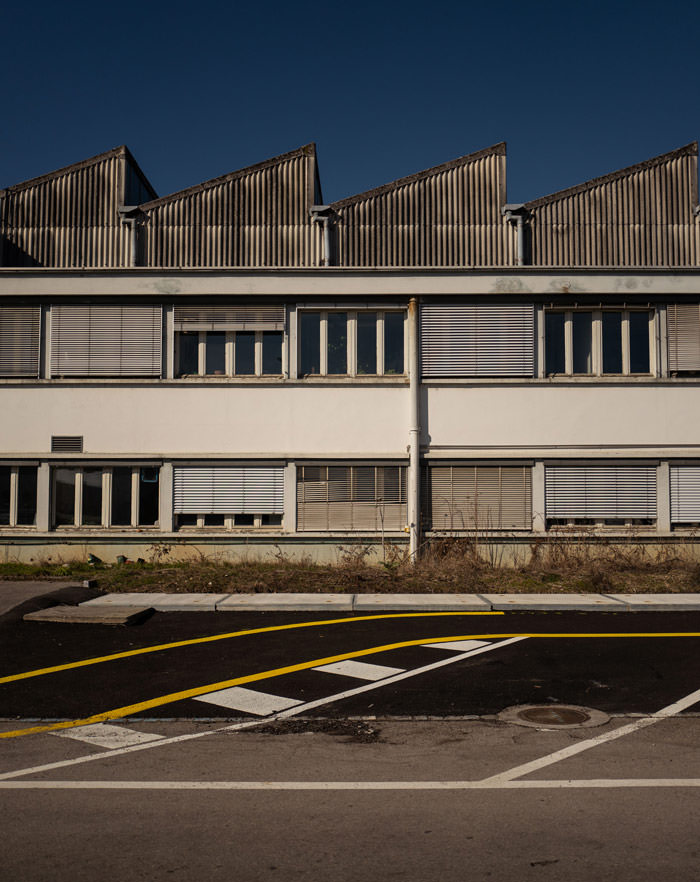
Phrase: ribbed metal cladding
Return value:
(70, 218)
(228, 490)
(600, 492)
(258, 216)
(639, 216)
(449, 215)
(685, 494)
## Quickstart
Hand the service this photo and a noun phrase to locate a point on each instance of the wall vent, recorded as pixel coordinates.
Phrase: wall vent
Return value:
(66, 444)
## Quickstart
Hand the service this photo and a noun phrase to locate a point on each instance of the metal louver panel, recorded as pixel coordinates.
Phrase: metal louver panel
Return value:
(371, 498)
(66, 444)
(685, 494)
(106, 341)
(229, 318)
(600, 492)
(478, 340)
(480, 498)
(684, 337)
(228, 490)
(19, 341)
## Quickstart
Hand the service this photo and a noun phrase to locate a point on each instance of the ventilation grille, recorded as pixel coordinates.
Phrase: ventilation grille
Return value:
(66, 444)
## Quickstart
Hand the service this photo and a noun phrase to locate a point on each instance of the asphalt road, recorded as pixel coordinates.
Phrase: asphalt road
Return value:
(347, 781)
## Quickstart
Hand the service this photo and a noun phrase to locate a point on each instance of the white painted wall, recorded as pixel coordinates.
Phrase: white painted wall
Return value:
(284, 420)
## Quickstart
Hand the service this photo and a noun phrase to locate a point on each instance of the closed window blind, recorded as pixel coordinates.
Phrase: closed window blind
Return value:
(685, 494)
(684, 337)
(479, 498)
(599, 492)
(478, 340)
(228, 490)
(19, 341)
(229, 318)
(106, 341)
(369, 498)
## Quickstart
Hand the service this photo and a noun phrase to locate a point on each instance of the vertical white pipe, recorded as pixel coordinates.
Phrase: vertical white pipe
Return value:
(413, 431)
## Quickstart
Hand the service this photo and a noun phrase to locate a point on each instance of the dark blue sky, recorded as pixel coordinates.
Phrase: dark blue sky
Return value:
(576, 89)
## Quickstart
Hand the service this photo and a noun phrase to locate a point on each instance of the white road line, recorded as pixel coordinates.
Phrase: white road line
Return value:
(247, 724)
(488, 784)
(457, 645)
(108, 735)
(249, 701)
(359, 670)
(559, 755)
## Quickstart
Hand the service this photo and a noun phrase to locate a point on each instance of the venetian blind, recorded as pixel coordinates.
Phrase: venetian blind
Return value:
(19, 341)
(228, 490)
(599, 492)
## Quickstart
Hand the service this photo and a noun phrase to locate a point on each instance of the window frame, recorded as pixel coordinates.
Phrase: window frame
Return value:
(597, 352)
(229, 524)
(352, 337)
(14, 497)
(106, 491)
(230, 355)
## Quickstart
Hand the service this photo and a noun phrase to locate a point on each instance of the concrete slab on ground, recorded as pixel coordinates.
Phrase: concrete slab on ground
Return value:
(577, 602)
(659, 602)
(83, 615)
(434, 602)
(160, 601)
(287, 602)
(14, 593)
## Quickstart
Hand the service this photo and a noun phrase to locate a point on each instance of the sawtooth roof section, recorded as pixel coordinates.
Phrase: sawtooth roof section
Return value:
(643, 215)
(448, 215)
(256, 216)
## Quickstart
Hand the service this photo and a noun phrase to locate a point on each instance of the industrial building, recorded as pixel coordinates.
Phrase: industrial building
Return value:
(240, 368)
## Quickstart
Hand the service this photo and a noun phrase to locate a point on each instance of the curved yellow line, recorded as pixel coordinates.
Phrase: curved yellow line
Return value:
(40, 672)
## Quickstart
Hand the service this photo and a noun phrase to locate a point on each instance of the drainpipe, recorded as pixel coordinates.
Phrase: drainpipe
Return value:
(128, 213)
(516, 213)
(413, 432)
(322, 214)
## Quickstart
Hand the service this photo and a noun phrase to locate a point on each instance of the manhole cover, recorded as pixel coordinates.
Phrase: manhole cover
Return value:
(553, 716)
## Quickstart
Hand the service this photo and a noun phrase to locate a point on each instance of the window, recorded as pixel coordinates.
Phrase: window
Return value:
(361, 497)
(463, 497)
(600, 495)
(229, 497)
(597, 342)
(18, 489)
(19, 341)
(684, 338)
(106, 341)
(478, 340)
(344, 343)
(229, 341)
(685, 496)
(117, 496)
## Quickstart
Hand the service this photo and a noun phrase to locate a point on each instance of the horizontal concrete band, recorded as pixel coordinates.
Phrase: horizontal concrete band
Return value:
(162, 602)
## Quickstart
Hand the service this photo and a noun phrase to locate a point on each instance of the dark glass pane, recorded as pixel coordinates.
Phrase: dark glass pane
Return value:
(214, 520)
(148, 496)
(310, 347)
(26, 495)
(612, 342)
(583, 342)
(5, 494)
(337, 343)
(271, 520)
(187, 520)
(92, 497)
(64, 491)
(639, 343)
(215, 350)
(367, 343)
(245, 353)
(244, 520)
(554, 351)
(272, 352)
(188, 358)
(121, 496)
(393, 343)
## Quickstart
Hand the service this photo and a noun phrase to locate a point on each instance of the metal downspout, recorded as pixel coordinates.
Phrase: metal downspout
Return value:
(413, 432)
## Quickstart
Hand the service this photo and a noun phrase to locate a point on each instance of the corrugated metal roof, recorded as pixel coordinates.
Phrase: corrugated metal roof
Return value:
(642, 215)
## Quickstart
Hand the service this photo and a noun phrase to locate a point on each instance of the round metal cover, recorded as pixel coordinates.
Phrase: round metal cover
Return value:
(553, 716)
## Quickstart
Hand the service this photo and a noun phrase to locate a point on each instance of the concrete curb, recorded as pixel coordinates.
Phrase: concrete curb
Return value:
(162, 602)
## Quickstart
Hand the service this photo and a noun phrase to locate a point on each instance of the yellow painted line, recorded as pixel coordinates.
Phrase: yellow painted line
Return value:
(40, 672)
(129, 710)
